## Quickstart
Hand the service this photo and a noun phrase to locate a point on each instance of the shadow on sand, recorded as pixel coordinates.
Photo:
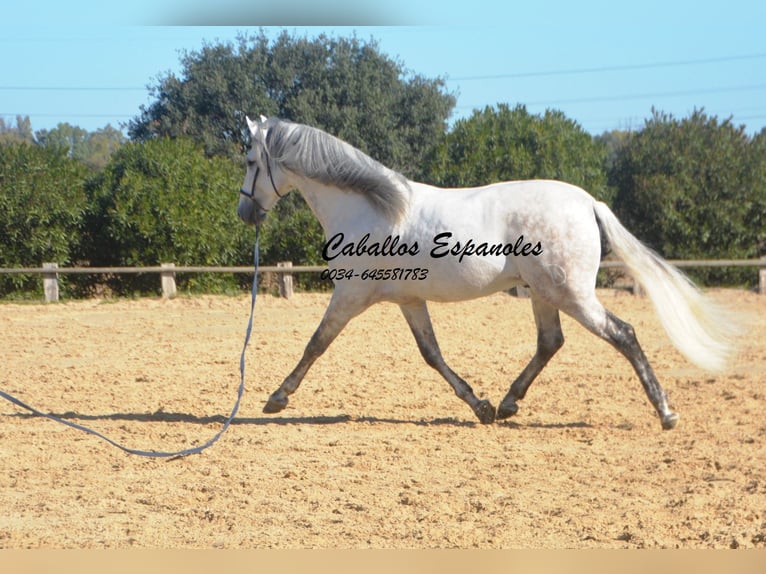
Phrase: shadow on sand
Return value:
(169, 417)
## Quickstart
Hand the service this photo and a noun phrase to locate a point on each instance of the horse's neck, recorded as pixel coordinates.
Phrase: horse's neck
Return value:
(338, 210)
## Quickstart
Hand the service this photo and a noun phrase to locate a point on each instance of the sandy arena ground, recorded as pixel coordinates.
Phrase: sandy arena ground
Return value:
(374, 449)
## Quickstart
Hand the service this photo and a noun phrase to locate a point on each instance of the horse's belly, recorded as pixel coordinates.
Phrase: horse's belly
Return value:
(447, 284)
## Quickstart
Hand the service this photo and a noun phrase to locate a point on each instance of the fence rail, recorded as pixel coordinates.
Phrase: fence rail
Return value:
(285, 270)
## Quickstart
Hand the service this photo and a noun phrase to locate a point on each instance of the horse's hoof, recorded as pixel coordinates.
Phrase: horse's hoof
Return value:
(506, 410)
(274, 405)
(485, 411)
(669, 421)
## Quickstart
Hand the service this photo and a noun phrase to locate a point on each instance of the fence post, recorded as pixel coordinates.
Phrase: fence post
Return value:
(519, 291)
(51, 283)
(285, 280)
(168, 278)
(762, 276)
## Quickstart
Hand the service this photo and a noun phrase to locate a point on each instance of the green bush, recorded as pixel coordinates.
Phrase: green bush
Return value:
(694, 189)
(165, 201)
(499, 144)
(42, 202)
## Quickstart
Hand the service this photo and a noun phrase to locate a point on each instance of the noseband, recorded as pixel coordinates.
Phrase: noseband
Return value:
(251, 194)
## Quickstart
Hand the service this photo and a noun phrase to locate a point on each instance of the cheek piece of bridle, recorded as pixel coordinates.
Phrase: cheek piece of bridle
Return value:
(251, 193)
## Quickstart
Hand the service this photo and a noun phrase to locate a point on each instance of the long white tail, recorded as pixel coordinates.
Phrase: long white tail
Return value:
(699, 329)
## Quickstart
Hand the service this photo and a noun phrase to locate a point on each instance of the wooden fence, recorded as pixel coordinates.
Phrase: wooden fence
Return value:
(285, 269)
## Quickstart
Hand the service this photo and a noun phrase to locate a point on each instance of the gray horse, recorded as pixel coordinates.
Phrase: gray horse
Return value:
(391, 239)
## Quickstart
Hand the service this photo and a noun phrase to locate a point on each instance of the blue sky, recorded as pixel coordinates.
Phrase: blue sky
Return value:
(604, 64)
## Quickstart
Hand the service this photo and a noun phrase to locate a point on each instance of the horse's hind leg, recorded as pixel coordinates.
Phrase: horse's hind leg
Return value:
(622, 336)
(549, 340)
(339, 312)
(420, 324)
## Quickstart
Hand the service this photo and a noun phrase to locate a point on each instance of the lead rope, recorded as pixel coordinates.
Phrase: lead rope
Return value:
(187, 451)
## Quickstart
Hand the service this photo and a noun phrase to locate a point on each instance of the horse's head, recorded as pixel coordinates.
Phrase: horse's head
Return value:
(259, 193)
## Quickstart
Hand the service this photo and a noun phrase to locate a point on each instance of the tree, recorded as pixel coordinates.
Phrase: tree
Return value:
(166, 201)
(70, 140)
(92, 148)
(42, 202)
(694, 189)
(498, 144)
(342, 85)
(20, 133)
(102, 144)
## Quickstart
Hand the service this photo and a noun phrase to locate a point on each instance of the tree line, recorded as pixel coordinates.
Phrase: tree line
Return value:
(692, 187)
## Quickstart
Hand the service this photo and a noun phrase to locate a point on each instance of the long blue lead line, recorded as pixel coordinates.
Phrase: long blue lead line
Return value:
(185, 452)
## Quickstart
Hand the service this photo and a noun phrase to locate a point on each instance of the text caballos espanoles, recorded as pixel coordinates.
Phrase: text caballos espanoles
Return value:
(443, 246)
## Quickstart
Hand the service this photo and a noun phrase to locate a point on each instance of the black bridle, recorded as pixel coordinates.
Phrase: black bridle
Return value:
(251, 194)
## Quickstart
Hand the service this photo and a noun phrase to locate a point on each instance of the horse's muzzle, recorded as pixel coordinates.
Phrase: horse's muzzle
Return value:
(249, 211)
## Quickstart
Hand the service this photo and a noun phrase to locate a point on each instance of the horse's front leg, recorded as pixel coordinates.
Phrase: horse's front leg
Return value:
(420, 324)
(339, 312)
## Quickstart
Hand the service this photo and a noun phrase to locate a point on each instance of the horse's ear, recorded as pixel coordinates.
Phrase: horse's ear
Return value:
(263, 118)
(251, 125)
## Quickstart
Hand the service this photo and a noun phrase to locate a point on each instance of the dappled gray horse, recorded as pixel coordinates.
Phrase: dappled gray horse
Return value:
(391, 239)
